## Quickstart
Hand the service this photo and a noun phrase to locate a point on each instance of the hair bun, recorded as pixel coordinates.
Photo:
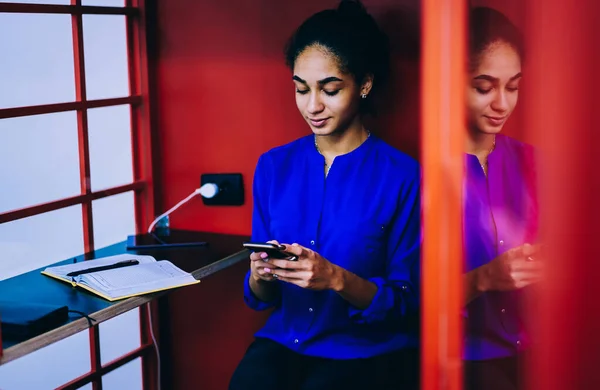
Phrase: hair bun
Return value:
(352, 9)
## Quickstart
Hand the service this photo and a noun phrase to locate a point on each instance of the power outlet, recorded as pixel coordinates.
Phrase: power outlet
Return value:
(231, 189)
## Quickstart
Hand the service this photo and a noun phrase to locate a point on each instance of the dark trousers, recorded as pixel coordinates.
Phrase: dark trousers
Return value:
(494, 374)
(268, 365)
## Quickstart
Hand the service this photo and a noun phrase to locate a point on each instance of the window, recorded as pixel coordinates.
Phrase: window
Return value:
(75, 159)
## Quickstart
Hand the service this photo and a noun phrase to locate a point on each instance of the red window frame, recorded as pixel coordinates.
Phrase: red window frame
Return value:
(443, 44)
(141, 136)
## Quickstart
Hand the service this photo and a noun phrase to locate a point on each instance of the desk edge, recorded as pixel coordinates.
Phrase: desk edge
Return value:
(60, 333)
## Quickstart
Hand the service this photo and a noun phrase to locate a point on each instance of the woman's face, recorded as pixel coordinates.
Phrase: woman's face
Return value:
(327, 98)
(493, 88)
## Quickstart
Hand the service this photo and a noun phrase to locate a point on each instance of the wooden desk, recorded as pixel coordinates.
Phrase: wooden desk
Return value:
(221, 252)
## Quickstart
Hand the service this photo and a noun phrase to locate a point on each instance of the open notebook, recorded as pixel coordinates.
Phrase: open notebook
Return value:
(146, 277)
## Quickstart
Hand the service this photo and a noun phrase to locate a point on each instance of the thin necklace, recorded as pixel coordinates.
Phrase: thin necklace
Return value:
(327, 166)
(484, 165)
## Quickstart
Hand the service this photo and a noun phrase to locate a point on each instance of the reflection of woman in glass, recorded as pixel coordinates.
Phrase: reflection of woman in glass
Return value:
(500, 206)
(345, 314)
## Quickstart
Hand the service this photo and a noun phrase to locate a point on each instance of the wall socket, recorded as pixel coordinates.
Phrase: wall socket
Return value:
(231, 189)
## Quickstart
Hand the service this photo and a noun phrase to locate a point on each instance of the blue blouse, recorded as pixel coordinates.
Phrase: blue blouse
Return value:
(365, 217)
(500, 213)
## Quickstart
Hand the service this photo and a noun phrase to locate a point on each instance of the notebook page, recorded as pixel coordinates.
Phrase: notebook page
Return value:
(137, 278)
(63, 270)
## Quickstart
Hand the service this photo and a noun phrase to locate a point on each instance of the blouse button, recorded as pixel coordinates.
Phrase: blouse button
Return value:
(312, 242)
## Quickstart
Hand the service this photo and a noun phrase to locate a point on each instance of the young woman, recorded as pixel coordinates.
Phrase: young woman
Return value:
(500, 221)
(347, 205)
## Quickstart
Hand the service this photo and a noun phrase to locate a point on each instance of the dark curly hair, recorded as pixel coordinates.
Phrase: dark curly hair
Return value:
(487, 27)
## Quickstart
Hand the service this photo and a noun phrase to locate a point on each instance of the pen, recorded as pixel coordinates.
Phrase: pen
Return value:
(125, 263)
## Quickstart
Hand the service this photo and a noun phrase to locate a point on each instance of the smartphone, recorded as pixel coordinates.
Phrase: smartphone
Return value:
(274, 251)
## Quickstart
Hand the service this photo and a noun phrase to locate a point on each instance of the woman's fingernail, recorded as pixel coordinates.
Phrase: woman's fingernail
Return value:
(268, 270)
(264, 255)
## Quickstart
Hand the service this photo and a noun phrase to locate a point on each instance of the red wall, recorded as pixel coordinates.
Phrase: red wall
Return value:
(224, 97)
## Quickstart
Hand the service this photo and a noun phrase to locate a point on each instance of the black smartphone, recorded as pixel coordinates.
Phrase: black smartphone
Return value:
(274, 251)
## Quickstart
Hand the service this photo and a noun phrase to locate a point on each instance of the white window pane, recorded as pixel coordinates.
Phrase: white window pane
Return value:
(34, 242)
(127, 377)
(37, 59)
(39, 159)
(105, 47)
(104, 3)
(109, 132)
(114, 219)
(50, 366)
(119, 335)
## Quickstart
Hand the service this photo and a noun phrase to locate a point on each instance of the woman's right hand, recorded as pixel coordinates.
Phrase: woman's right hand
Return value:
(259, 266)
(516, 268)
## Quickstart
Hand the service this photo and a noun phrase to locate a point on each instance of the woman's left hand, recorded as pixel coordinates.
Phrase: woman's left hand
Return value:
(311, 270)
